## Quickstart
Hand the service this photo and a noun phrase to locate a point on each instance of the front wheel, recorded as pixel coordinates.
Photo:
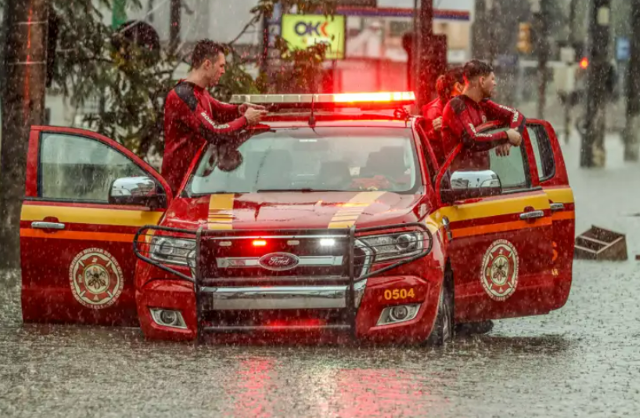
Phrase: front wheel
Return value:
(442, 331)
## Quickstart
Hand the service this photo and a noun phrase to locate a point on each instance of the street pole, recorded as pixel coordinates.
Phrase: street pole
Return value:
(542, 47)
(593, 153)
(425, 78)
(630, 133)
(571, 72)
(25, 25)
(174, 30)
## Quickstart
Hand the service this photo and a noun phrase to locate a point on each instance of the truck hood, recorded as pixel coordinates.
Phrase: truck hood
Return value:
(294, 210)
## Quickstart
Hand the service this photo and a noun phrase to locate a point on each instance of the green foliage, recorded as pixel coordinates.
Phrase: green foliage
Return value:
(131, 91)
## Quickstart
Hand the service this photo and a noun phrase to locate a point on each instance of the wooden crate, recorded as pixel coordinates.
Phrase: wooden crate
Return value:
(601, 244)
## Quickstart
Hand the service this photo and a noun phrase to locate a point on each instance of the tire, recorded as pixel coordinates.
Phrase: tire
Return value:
(443, 328)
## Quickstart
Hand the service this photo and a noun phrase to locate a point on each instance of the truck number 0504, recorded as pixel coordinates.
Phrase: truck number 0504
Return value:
(396, 294)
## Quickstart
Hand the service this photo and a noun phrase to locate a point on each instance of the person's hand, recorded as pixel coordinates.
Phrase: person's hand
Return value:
(515, 138)
(503, 150)
(243, 107)
(254, 115)
(437, 123)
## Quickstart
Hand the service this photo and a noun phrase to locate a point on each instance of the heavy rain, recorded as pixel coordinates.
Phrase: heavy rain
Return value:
(270, 208)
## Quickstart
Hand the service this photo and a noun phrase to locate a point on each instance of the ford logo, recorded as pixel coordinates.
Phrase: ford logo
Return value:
(279, 261)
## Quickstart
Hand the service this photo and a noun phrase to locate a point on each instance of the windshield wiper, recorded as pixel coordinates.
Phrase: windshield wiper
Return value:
(303, 190)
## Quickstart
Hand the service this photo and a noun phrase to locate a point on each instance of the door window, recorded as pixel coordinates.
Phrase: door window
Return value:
(77, 168)
(542, 151)
(512, 170)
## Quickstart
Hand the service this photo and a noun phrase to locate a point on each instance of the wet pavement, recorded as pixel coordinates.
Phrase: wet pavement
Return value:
(582, 360)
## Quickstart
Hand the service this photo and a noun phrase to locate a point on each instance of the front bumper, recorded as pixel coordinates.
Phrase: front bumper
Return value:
(349, 304)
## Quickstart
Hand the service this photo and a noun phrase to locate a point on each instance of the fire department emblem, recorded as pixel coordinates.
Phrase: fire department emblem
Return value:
(96, 278)
(499, 274)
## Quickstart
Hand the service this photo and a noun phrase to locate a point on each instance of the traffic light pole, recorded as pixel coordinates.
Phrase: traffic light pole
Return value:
(630, 133)
(593, 152)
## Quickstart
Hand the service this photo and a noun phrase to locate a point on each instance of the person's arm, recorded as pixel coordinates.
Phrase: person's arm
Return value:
(196, 118)
(513, 117)
(458, 120)
(430, 114)
(225, 111)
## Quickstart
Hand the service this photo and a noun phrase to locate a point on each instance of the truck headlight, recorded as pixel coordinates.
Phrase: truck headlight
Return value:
(172, 250)
(399, 245)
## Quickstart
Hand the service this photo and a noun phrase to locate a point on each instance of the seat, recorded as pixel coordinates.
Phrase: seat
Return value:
(274, 170)
(334, 175)
(388, 162)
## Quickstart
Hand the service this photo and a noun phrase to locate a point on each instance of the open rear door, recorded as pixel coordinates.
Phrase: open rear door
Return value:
(77, 248)
(553, 178)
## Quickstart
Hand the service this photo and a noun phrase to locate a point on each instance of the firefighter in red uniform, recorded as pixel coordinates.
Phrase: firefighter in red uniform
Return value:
(192, 117)
(448, 86)
(464, 113)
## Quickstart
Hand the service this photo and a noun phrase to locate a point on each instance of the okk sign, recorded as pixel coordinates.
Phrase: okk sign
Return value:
(302, 31)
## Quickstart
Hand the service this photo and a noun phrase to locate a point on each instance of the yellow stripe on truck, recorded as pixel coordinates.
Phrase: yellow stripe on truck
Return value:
(349, 213)
(93, 216)
(560, 195)
(221, 212)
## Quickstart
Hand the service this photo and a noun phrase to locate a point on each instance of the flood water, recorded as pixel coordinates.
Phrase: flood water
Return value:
(582, 360)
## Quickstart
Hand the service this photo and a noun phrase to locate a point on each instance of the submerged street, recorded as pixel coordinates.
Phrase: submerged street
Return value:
(582, 360)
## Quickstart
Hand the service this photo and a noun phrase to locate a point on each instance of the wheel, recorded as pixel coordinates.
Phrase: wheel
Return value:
(443, 328)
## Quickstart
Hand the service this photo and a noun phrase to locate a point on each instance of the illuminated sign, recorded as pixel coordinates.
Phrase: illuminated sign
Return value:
(303, 31)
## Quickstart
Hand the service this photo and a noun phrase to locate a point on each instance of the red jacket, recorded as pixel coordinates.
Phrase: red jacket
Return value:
(462, 115)
(191, 118)
(432, 111)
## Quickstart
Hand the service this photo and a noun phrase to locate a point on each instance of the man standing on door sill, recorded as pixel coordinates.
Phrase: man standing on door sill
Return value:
(192, 117)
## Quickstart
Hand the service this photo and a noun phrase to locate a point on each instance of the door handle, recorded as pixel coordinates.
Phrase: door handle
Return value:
(47, 225)
(556, 207)
(535, 214)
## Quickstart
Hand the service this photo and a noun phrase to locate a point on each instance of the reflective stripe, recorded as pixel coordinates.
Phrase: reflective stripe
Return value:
(76, 235)
(349, 213)
(221, 211)
(93, 216)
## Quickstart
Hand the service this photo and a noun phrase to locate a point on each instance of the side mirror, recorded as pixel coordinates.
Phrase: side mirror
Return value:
(138, 191)
(469, 185)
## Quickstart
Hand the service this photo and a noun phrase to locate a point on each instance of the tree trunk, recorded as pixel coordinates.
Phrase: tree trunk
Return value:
(22, 106)
(630, 134)
(593, 152)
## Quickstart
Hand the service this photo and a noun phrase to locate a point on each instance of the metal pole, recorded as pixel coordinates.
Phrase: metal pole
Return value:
(174, 29)
(425, 77)
(25, 56)
(593, 152)
(630, 133)
(543, 56)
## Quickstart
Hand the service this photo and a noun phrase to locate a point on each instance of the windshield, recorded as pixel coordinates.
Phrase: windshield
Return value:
(304, 159)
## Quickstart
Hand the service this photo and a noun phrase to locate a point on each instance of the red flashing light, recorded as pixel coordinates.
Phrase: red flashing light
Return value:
(373, 97)
(259, 243)
(584, 63)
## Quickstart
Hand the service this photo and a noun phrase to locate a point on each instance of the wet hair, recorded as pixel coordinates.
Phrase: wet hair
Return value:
(446, 83)
(205, 50)
(476, 68)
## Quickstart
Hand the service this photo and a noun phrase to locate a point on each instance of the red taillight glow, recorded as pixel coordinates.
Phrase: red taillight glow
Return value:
(374, 97)
(259, 243)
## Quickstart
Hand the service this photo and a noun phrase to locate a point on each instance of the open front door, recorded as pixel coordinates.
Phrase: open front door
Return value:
(76, 244)
(500, 221)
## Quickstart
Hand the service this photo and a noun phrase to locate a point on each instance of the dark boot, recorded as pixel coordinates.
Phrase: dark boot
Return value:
(474, 328)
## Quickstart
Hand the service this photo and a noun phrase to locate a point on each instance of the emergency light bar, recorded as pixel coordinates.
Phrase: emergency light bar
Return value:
(382, 100)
